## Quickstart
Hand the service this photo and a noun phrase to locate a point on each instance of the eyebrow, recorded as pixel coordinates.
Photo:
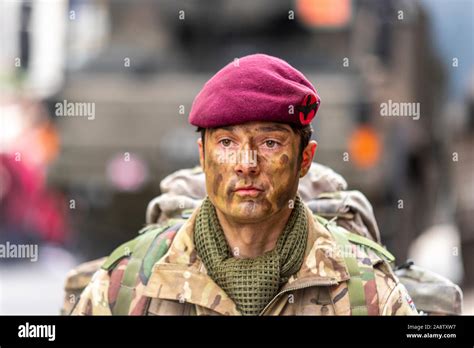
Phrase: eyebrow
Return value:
(227, 128)
(273, 129)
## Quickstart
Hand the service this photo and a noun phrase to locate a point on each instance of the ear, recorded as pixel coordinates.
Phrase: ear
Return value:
(307, 158)
(201, 153)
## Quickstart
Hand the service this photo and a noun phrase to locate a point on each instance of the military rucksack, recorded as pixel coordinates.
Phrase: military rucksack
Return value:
(322, 190)
(432, 293)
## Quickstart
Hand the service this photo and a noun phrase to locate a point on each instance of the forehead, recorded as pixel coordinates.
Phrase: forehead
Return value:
(263, 127)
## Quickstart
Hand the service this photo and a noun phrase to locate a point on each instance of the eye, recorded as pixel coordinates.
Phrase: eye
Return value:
(271, 143)
(226, 142)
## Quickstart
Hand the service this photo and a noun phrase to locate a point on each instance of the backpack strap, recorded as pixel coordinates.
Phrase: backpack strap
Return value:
(127, 248)
(355, 284)
(358, 239)
(379, 249)
(137, 249)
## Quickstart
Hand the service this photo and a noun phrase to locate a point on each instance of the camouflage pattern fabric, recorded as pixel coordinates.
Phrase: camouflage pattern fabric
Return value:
(179, 284)
(76, 280)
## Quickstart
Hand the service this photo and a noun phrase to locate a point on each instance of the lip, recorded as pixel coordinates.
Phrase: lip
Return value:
(251, 191)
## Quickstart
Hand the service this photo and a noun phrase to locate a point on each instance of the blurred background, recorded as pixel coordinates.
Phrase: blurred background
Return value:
(137, 66)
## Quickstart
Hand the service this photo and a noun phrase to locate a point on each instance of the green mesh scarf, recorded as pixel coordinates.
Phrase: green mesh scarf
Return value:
(251, 283)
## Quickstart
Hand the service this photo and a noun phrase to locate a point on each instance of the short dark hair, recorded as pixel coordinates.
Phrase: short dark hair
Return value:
(305, 133)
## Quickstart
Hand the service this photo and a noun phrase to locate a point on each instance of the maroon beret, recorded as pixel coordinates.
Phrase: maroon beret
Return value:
(255, 88)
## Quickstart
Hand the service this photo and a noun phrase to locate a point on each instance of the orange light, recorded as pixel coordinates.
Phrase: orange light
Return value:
(48, 141)
(365, 147)
(324, 13)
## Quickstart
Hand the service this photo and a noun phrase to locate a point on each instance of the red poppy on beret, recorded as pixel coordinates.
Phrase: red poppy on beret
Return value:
(255, 88)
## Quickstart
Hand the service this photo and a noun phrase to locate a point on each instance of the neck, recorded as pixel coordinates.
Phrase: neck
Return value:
(249, 240)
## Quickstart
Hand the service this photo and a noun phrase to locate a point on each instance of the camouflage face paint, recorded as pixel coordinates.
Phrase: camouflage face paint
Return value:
(284, 159)
(217, 183)
(250, 191)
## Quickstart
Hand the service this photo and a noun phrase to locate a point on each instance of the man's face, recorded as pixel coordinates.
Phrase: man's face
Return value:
(252, 170)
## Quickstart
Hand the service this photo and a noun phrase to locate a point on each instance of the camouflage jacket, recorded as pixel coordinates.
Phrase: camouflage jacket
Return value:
(178, 283)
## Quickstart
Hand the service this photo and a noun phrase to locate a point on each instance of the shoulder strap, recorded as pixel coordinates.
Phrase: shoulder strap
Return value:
(131, 273)
(358, 239)
(137, 250)
(126, 249)
(355, 284)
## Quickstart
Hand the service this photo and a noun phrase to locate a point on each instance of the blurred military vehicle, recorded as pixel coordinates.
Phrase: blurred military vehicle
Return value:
(142, 63)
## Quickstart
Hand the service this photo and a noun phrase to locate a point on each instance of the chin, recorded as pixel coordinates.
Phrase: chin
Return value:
(249, 211)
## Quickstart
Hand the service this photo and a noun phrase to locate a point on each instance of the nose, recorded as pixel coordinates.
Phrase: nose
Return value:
(247, 164)
(246, 170)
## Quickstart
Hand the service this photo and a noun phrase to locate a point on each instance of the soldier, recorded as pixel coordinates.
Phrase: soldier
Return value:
(252, 247)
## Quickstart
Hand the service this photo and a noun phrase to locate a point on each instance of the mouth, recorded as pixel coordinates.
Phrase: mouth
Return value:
(248, 191)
